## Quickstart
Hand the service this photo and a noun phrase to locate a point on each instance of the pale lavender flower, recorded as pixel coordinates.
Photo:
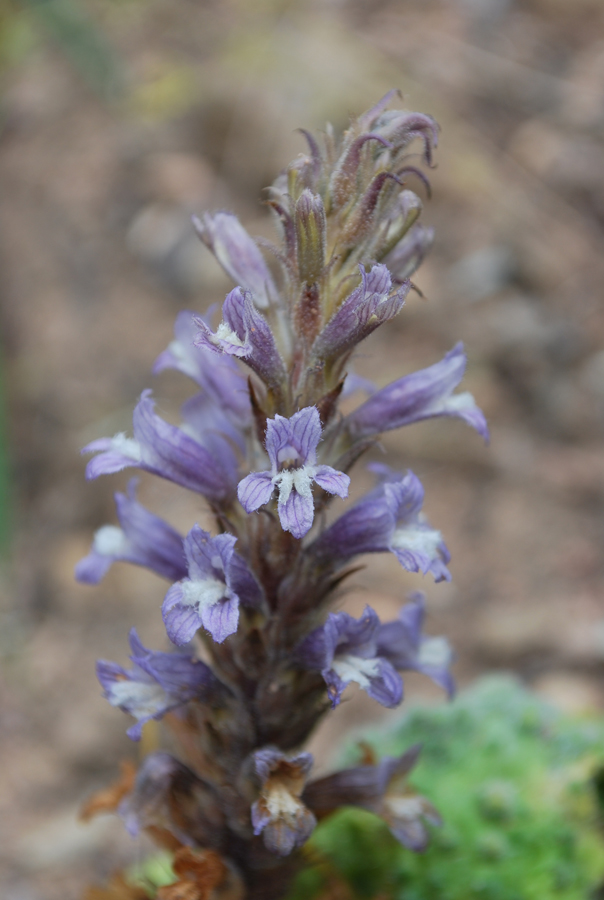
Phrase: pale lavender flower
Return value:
(389, 518)
(279, 814)
(221, 379)
(403, 643)
(346, 650)
(143, 539)
(421, 395)
(238, 254)
(368, 307)
(218, 579)
(157, 683)
(169, 452)
(382, 790)
(291, 445)
(245, 333)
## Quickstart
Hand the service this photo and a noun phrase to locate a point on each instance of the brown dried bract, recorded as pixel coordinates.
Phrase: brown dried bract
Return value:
(199, 874)
(109, 798)
(117, 889)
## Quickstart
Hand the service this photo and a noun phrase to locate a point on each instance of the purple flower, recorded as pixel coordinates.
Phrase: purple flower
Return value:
(279, 814)
(221, 378)
(218, 579)
(421, 395)
(238, 254)
(382, 790)
(389, 518)
(157, 682)
(362, 312)
(345, 650)
(170, 796)
(144, 539)
(167, 451)
(403, 644)
(245, 333)
(291, 445)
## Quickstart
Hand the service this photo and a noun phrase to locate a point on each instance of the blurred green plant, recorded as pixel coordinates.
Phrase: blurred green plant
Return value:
(520, 789)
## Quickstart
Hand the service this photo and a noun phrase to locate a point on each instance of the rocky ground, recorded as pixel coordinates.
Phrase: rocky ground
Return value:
(197, 108)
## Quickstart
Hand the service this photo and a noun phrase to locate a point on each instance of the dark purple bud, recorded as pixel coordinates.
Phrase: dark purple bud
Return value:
(279, 814)
(310, 236)
(345, 650)
(167, 451)
(209, 597)
(421, 395)
(245, 333)
(291, 445)
(157, 683)
(238, 254)
(143, 539)
(368, 307)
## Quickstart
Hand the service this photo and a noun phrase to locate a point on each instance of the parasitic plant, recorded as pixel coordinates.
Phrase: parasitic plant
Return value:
(259, 658)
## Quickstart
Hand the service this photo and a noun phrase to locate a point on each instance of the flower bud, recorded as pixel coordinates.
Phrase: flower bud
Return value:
(310, 236)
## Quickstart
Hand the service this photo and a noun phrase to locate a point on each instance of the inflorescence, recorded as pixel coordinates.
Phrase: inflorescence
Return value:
(264, 443)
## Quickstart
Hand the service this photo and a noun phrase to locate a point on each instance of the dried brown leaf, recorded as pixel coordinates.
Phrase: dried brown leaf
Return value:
(109, 798)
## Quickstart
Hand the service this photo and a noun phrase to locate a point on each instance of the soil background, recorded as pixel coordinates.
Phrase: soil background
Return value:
(120, 118)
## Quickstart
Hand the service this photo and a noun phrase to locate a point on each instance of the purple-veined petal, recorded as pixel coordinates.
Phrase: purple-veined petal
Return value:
(370, 305)
(208, 556)
(245, 333)
(296, 514)
(386, 686)
(221, 619)
(255, 490)
(305, 430)
(332, 481)
(181, 621)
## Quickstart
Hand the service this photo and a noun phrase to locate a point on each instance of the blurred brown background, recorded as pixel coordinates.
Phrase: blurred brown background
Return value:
(119, 118)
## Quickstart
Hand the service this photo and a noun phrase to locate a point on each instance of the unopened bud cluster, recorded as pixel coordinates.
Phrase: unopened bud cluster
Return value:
(264, 444)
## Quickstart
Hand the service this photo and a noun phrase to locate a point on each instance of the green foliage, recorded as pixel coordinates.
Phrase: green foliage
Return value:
(520, 789)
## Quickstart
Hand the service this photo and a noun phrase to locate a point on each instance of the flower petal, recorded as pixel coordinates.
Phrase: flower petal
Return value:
(296, 514)
(255, 490)
(221, 619)
(181, 620)
(332, 481)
